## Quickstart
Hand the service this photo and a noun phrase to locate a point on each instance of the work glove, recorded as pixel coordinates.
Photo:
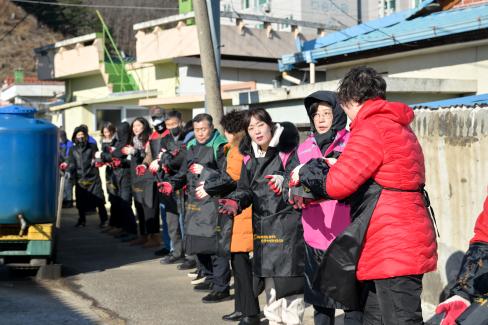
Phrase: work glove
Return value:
(116, 162)
(154, 167)
(275, 183)
(63, 166)
(228, 207)
(295, 176)
(165, 188)
(141, 170)
(195, 169)
(453, 308)
(200, 191)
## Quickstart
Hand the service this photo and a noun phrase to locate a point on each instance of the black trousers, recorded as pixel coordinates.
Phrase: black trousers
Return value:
(102, 212)
(148, 219)
(128, 219)
(393, 301)
(245, 300)
(216, 269)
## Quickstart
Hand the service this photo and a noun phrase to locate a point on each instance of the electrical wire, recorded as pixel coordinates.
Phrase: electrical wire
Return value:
(13, 28)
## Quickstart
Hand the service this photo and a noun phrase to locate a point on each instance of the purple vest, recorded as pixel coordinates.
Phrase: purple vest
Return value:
(324, 221)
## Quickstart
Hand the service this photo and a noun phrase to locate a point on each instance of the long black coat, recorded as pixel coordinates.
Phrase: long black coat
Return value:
(278, 231)
(82, 168)
(201, 215)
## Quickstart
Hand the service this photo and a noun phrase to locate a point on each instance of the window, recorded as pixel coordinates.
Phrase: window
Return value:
(107, 115)
(245, 4)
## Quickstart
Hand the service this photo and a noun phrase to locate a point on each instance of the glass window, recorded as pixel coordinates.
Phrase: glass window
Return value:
(245, 4)
(107, 115)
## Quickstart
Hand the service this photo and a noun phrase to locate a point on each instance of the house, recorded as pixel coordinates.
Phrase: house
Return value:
(435, 51)
(30, 91)
(102, 85)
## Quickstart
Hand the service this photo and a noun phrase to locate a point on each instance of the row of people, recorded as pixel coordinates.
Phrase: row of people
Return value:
(340, 221)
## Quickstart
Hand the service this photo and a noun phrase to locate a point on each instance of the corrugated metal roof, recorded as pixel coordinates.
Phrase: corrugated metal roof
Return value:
(389, 31)
(468, 101)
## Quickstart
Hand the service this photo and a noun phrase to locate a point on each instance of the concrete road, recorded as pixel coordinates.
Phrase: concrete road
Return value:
(108, 282)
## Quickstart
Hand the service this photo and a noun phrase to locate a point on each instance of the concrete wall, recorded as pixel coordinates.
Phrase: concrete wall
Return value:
(455, 143)
(88, 87)
(469, 62)
(162, 76)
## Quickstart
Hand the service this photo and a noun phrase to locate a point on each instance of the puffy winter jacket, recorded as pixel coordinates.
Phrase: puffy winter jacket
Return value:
(400, 239)
(241, 237)
(322, 222)
(472, 280)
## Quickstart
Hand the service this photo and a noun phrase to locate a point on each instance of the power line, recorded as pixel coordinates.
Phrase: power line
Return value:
(64, 4)
(13, 27)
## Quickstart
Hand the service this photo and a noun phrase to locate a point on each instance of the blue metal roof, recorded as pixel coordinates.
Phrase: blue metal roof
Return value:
(459, 101)
(392, 30)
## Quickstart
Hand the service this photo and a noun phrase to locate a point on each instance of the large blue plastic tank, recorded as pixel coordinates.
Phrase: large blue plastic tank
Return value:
(28, 166)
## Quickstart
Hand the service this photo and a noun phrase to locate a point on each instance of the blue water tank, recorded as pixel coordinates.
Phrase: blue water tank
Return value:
(28, 166)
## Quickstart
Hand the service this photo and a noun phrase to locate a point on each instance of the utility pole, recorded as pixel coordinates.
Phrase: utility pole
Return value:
(213, 99)
(360, 14)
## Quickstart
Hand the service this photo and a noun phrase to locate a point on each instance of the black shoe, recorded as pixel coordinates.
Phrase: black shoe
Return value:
(187, 265)
(171, 259)
(205, 286)
(80, 224)
(234, 317)
(103, 224)
(216, 296)
(67, 204)
(162, 252)
(250, 320)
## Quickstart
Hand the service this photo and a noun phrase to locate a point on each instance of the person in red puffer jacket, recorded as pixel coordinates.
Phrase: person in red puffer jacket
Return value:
(378, 262)
(471, 285)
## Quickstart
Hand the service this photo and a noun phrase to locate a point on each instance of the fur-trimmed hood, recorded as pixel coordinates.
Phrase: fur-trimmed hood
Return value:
(288, 139)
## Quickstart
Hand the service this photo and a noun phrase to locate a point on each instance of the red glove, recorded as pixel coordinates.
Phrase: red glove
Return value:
(195, 169)
(275, 183)
(99, 164)
(165, 188)
(140, 170)
(228, 207)
(453, 307)
(63, 166)
(116, 162)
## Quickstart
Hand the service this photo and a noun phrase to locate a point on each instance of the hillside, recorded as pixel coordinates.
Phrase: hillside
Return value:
(20, 33)
(25, 26)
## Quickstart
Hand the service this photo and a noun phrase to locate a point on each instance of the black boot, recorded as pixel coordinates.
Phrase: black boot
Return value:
(80, 223)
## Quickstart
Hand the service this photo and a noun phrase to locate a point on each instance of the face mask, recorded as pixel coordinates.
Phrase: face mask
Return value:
(157, 120)
(175, 132)
(160, 127)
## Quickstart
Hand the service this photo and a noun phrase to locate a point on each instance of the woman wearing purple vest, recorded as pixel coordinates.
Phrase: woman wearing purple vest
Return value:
(322, 221)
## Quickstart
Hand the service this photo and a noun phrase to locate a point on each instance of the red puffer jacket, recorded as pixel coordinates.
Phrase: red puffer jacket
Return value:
(400, 239)
(481, 227)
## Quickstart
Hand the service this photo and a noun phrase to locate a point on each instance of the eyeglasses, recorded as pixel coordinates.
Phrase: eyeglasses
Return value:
(326, 115)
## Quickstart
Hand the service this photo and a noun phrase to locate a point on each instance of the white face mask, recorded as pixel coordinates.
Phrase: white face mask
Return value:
(157, 121)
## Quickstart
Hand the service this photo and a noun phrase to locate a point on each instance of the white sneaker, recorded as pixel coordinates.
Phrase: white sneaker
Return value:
(193, 274)
(199, 279)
